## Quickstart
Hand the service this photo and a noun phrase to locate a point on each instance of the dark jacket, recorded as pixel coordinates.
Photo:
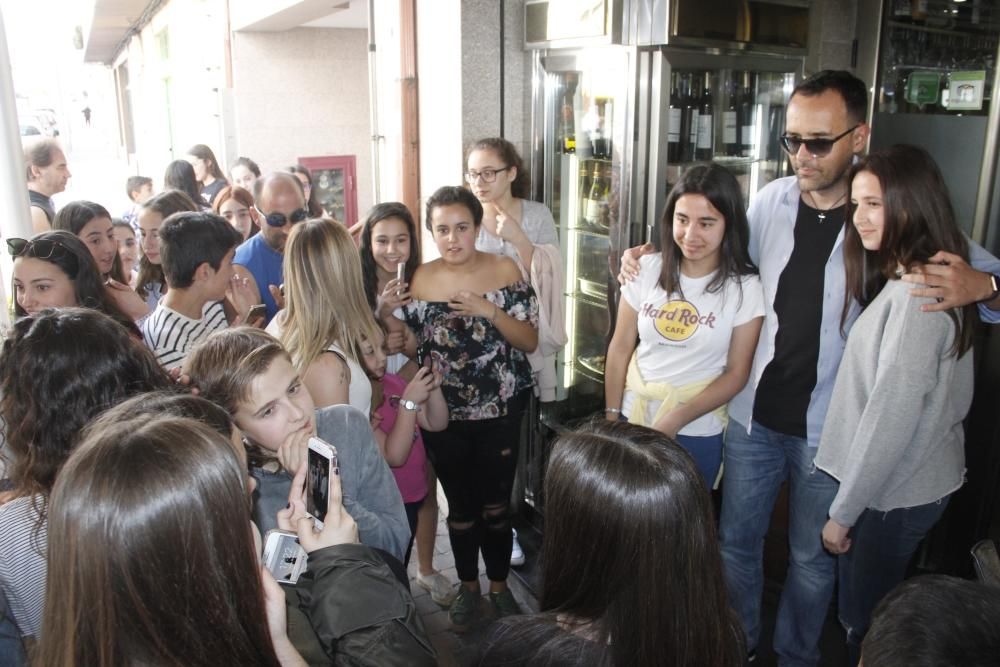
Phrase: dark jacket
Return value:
(359, 611)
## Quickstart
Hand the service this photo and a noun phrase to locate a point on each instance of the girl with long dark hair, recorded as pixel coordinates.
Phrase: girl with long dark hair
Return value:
(312, 203)
(93, 225)
(179, 175)
(696, 310)
(893, 435)
(207, 172)
(149, 281)
(58, 370)
(629, 579)
(55, 270)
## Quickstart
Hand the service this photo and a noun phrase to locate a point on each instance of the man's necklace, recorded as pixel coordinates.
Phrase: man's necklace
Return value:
(821, 212)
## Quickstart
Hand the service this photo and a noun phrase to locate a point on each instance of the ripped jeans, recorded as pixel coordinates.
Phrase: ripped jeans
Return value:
(475, 462)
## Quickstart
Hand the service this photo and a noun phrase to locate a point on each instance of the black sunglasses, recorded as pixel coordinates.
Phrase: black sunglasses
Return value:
(279, 219)
(39, 248)
(815, 147)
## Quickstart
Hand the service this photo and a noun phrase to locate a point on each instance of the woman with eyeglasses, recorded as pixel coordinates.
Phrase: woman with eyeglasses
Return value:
(512, 225)
(149, 281)
(55, 270)
(236, 205)
(306, 179)
(474, 318)
(326, 318)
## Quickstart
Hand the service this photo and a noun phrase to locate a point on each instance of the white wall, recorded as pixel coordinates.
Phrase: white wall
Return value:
(300, 93)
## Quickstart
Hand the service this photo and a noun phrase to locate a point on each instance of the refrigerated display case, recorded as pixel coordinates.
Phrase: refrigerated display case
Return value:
(611, 133)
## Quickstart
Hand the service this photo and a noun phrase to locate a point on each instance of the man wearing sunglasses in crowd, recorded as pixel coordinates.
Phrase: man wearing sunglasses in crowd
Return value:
(258, 259)
(796, 234)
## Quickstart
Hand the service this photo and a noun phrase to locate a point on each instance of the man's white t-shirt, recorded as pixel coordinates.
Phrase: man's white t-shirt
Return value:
(685, 340)
(171, 335)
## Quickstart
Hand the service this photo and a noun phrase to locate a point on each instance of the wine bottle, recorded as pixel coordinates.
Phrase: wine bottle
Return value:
(730, 124)
(747, 124)
(674, 122)
(706, 140)
(689, 119)
(597, 199)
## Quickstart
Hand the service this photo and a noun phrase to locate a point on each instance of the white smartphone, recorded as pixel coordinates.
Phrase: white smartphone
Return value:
(283, 556)
(321, 462)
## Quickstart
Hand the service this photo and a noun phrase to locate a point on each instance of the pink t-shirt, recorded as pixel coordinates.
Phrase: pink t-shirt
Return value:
(411, 477)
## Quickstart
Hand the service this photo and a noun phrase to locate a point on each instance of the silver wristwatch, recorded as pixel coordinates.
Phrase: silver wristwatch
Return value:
(410, 405)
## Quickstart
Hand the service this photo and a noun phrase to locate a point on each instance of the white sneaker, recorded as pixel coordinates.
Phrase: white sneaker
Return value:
(516, 552)
(441, 590)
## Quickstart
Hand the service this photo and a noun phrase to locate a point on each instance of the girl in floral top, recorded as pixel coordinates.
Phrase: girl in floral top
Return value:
(474, 319)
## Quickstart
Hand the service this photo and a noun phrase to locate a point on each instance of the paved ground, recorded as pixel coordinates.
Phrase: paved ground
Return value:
(457, 649)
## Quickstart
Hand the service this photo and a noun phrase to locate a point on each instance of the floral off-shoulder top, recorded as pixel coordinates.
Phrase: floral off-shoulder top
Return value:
(482, 371)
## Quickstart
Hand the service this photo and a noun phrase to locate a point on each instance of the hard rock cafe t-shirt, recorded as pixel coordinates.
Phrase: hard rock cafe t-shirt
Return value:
(684, 340)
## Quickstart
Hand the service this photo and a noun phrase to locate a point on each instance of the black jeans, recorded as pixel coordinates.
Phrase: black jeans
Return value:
(475, 461)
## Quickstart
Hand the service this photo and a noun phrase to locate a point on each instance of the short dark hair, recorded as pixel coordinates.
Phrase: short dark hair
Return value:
(188, 240)
(136, 183)
(935, 620)
(849, 87)
(450, 195)
(39, 154)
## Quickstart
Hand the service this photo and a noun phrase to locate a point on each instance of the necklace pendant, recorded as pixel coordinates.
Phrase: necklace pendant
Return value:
(821, 216)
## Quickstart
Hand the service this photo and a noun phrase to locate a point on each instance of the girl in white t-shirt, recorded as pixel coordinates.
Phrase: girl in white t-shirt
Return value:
(696, 309)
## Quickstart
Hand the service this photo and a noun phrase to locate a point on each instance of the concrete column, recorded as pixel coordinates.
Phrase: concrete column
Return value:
(13, 188)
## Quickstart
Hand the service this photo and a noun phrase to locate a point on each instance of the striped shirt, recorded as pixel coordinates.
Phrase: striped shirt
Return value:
(171, 335)
(23, 563)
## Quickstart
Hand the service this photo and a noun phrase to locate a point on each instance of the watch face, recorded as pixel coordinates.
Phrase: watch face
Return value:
(995, 281)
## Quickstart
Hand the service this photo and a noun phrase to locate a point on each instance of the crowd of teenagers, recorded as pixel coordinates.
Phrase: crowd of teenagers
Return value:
(168, 373)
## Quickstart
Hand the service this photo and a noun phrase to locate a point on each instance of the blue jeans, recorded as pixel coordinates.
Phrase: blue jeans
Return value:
(756, 464)
(706, 450)
(882, 544)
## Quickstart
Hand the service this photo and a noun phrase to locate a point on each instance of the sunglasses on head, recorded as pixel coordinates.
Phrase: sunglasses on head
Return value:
(815, 147)
(38, 248)
(280, 219)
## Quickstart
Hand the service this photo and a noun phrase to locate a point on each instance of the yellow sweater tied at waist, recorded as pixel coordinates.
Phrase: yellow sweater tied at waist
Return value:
(670, 395)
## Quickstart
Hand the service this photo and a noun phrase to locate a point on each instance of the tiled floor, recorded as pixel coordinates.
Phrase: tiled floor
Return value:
(456, 649)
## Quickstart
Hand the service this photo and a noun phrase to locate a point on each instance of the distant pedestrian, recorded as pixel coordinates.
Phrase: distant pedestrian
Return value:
(86, 115)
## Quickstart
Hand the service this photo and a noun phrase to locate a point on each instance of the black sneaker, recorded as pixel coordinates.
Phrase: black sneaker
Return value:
(464, 608)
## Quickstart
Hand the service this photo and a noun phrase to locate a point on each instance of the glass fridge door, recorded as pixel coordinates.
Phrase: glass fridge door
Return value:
(584, 176)
(715, 108)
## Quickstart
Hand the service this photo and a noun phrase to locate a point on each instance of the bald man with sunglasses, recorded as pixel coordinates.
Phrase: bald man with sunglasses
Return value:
(282, 204)
(796, 233)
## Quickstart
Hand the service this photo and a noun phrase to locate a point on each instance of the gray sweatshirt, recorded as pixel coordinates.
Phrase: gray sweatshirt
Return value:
(371, 496)
(893, 434)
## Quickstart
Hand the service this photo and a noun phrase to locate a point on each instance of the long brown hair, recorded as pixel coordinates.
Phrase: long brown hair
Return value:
(918, 221)
(151, 556)
(166, 204)
(645, 582)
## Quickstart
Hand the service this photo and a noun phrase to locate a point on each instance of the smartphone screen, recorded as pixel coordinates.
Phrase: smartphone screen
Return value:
(321, 461)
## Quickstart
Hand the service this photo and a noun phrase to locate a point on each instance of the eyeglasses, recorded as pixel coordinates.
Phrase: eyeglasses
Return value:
(488, 175)
(815, 147)
(39, 248)
(279, 219)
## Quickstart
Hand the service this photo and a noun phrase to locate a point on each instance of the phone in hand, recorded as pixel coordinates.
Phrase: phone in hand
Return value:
(322, 459)
(283, 556)
(260, 310)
